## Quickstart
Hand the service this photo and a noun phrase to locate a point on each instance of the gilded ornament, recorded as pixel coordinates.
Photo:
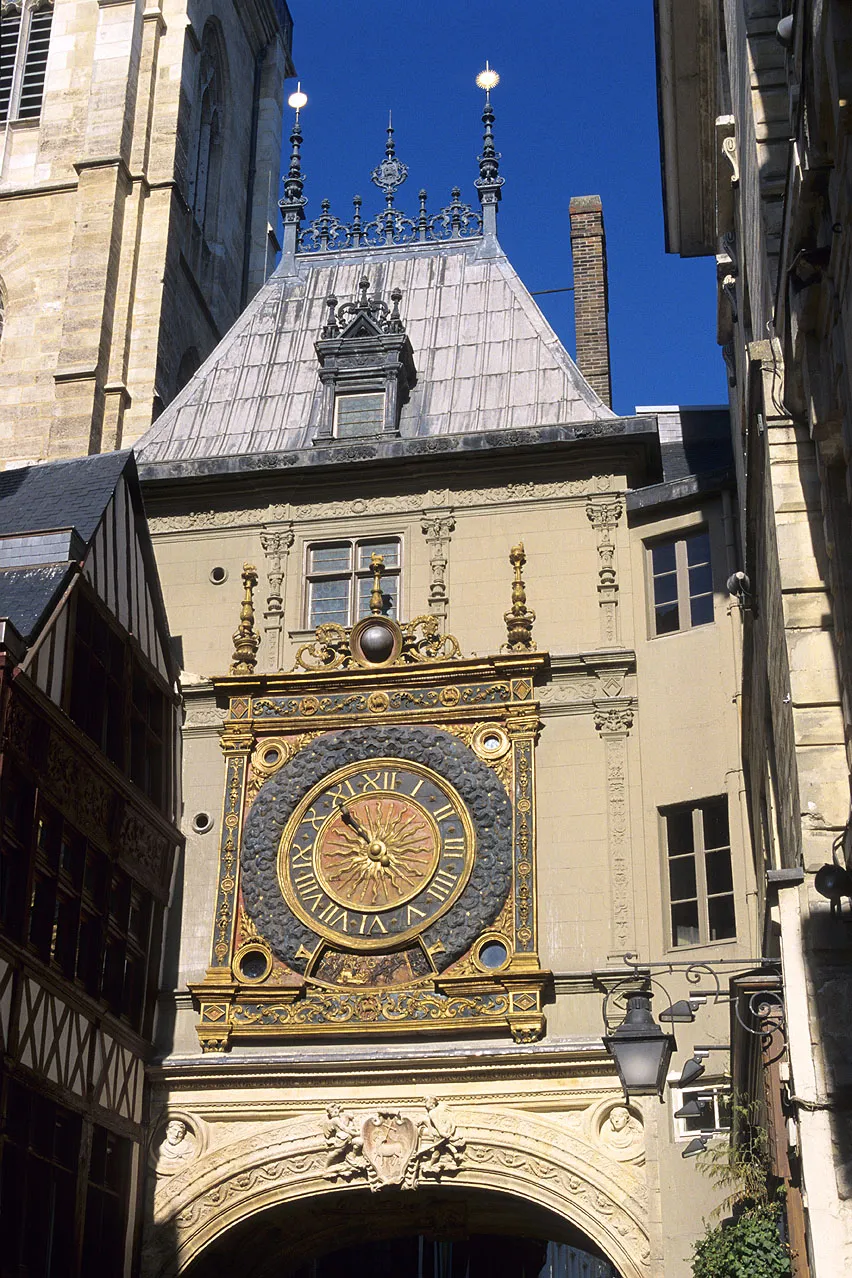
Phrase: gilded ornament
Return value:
(246, 638)
(519, 619)
(392, 834)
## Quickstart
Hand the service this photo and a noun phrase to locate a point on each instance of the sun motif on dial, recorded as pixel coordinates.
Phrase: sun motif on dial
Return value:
(377, 852)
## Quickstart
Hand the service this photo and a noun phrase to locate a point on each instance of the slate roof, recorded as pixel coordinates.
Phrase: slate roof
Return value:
(61, 494)
(486, 358)
(28, 595)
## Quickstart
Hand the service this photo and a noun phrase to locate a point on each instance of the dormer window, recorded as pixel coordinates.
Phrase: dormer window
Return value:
(356, 414)
(366, 368)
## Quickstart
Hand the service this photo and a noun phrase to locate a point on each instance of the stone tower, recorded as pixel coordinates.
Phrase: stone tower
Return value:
(123, 128)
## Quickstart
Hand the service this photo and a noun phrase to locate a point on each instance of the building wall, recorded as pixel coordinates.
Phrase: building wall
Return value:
(780, 191)
(108, 280)
(616, 744)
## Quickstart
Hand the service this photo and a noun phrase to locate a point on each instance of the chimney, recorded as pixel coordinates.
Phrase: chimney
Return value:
(588, 249)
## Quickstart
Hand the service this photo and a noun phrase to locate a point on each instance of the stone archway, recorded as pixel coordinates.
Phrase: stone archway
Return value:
(523, 1155)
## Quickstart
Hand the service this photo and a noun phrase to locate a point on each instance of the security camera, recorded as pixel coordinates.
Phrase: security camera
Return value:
(739, 586)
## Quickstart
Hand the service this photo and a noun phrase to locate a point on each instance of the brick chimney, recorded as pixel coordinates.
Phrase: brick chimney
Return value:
(591, 305)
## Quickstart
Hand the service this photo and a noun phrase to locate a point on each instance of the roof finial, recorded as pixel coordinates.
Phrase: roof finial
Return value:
(489, 181)
(519, 619)
(391, 173)
(246, 638)
(377, 599)
(293, 204)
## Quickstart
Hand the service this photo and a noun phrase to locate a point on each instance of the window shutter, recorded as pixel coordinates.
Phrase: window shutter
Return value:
(35, 65)
(10, 29)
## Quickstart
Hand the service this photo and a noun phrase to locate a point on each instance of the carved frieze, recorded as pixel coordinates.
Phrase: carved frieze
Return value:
(523, 492)
(546, 1159)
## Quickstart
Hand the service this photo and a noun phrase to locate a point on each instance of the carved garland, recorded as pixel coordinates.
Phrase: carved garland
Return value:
(438, 529)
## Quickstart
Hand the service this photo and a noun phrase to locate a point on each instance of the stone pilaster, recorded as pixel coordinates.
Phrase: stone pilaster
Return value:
(604, 516)
(614, 722)
(276, 547)
(438, 527)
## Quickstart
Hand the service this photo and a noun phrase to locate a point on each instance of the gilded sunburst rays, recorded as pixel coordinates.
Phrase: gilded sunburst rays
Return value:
(378, 852)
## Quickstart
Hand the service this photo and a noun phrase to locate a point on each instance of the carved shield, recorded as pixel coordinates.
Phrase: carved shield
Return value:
(389, 1144)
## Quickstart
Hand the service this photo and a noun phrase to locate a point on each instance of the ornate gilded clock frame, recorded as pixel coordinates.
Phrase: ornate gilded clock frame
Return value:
(487, 703)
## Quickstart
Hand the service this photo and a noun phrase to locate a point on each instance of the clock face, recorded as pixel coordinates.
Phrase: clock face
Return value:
(375, 853)
(374, 841)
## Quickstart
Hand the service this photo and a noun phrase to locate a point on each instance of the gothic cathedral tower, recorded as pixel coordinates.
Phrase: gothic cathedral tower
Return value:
(122, 127)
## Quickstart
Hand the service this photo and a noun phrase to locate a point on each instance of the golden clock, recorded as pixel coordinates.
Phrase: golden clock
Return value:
(375, 853)
(377, 841)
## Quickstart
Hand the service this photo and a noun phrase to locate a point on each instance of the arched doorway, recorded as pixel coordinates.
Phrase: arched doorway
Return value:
(441, 1232)
(280, 1190)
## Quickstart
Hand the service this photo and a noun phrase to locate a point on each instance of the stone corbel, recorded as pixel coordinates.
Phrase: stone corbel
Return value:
(727, 172)
(614, 722)
(604, 514)
(277, 545)
(438, 527)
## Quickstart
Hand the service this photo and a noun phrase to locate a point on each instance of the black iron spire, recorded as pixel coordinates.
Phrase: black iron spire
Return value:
(489, 181)
(293, 204)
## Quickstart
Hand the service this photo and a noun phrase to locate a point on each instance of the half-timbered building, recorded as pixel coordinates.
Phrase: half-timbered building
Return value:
(89, 788)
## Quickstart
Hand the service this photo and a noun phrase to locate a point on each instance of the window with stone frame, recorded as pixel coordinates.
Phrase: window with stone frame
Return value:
(338, 579)
(680, 579)
(24, 42)
(699, 873)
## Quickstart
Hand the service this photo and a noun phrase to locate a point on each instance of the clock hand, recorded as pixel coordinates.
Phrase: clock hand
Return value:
(353, 821)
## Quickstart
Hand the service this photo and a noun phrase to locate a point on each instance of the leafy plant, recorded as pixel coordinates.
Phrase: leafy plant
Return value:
(749, 1244)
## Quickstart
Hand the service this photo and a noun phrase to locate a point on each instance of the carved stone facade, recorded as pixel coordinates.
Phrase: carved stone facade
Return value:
(137, 185)
(616, 744)
(585, 1167)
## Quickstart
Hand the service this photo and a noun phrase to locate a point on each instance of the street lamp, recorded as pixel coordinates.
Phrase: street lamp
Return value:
(640, 1049)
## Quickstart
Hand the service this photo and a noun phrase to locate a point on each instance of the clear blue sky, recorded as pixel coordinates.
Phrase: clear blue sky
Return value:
(576, 115)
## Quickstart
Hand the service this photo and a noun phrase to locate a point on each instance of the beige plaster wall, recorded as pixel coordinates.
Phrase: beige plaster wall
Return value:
(678, 742)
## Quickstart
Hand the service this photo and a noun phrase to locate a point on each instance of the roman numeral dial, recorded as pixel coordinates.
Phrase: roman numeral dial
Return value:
(376, 853)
